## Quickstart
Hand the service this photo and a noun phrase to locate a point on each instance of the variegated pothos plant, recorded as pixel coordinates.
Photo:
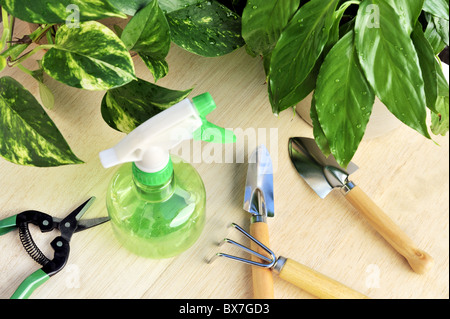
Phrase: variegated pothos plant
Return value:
(82, 52)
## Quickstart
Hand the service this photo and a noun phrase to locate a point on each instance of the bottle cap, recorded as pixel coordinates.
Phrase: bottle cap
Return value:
(153, 179)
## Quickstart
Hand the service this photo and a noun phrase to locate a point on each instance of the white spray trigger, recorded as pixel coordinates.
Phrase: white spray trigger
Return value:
(148, 145)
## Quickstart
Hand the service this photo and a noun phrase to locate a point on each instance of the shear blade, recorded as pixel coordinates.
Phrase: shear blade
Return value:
(88, 223)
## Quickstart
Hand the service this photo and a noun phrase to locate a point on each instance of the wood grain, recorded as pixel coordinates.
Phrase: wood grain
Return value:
(316, 283)
(406, 174)
(420, 261)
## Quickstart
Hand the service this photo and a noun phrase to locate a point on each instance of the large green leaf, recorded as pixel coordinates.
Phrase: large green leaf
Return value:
(335, 28)
(408, 12)
(263, 21)
(57, 11)
(303, 89)
(173, 5)
(207, 28)
(319, 135)
(343, 99)
(437, 8)
(433, 36)
(427, 65)
(297, 51)
(390, 63)
(148, 34)
(440, 117)
(158, 67)
(126, 107)
(28, 136)
(440, 120)
(442, 27)
(90, 57)
(129, 7)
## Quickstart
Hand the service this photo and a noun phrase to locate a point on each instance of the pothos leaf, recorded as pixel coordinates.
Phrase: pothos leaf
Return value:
(343, 99)
(158, 68)
(129, 7)
(296, 52)
(390, 63)
(148, 34)
(90, 57)
(58, 11)
(28, 136)
(207, 28)
(2, 62)
(126, 107)
(46, 95)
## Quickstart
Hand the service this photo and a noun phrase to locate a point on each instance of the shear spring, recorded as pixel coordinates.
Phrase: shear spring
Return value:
(30, 246)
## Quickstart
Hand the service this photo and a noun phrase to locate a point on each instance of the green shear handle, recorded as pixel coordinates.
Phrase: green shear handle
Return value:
(8, 224)
(27, 287)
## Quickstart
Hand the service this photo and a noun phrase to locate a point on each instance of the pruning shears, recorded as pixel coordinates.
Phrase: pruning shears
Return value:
(67, 226)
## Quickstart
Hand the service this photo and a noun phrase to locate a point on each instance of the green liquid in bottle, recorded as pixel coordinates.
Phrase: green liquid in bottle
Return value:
(157, 221)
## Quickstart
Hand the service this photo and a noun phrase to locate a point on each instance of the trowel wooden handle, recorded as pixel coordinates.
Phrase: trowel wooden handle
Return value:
(262, 277)
(316, 283)
(419, 260)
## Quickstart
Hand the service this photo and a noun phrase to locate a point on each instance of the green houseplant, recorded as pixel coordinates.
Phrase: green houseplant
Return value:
(82, 52)
(348, 52)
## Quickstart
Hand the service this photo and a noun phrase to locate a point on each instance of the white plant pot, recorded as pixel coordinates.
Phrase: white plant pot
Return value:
(381, 120)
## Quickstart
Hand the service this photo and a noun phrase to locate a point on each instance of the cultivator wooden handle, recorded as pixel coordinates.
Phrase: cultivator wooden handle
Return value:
(262, 277)
(314, 282)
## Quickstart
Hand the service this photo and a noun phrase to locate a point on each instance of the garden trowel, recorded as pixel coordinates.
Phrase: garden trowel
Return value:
(324, 174)
(258, 201)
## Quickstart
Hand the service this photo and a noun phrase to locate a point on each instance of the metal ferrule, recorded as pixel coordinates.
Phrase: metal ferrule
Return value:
(258, 219)
(348, 186)
(279, 264)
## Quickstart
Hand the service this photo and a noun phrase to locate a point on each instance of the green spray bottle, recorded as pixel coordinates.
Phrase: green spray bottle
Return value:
(156, 201)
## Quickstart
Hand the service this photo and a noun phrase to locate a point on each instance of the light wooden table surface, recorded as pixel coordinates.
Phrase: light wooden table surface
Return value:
(404, 173)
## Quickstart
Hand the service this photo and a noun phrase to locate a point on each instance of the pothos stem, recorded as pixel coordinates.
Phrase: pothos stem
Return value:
(28, 54)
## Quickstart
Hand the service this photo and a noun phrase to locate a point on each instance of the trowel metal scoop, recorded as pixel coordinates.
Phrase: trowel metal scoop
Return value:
(324, 174)
(258, 201)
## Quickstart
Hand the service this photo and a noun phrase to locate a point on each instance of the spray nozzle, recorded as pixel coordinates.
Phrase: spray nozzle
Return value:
(210, 132)
(148, 145)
